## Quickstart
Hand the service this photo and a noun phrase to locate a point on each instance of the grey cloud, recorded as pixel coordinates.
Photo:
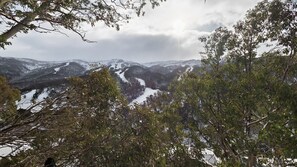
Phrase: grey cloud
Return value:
(140, 48)
(133, 42)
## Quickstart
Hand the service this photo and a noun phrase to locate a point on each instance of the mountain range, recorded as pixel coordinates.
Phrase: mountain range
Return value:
(137, 81)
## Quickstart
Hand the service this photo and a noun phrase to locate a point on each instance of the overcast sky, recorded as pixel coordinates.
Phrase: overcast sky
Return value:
(169, 32)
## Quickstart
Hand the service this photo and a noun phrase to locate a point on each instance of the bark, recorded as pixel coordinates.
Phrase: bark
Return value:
(21, 25)
(252, 161)
(2, 2)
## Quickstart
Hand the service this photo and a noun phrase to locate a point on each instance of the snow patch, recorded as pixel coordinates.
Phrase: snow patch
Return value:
(189, 69)
(121, 74)
(31, 64)
(147, 92)
(14, 148)
(141, 81)
(5, 151)
(59, 68)
(31, 67)
(27, 100)
(209, 157)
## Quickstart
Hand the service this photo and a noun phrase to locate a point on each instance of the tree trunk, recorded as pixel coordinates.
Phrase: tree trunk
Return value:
(252, 160)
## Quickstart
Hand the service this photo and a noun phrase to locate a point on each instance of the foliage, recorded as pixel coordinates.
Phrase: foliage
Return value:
(241, 103)
(185, 147)
(90, 124)
(88, 113)
(7, 100)
(51, 15)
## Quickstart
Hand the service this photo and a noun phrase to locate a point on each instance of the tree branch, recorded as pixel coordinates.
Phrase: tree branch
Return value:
(23, 23)
(257, 121)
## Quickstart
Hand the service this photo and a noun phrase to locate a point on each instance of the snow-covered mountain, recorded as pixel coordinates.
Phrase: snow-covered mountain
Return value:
(137, 81)
(12, 68)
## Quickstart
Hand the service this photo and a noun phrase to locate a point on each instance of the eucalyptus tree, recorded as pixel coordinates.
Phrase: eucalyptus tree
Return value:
(7, 100)
(52, 15)
(90, 124)
(241, 102)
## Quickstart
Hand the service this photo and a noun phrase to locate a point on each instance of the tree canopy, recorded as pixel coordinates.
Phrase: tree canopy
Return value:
(242, 102)
(51, 15)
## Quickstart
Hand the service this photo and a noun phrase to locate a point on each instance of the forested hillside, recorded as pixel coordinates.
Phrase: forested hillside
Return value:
(238, 109)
